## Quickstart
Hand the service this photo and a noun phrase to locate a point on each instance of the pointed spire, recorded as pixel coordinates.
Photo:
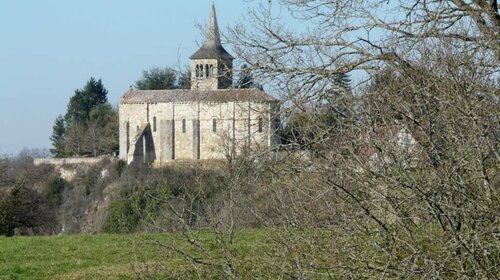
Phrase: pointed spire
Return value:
(212, 47)
(212, 38)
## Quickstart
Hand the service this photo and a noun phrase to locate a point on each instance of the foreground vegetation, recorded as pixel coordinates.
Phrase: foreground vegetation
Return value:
(67, 257)
(252, 253)
(99, 256)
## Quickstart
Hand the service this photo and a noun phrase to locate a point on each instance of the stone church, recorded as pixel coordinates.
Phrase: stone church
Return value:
(212, 120)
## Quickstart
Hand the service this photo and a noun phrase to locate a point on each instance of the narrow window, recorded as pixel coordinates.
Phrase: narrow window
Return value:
(154, 124)
(183, 125)
(260, 124)
(214, 125)
(211, 70)
(207, 70)
(197, 70)
(128, 136)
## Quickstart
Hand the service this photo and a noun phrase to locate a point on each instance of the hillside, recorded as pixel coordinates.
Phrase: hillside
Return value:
(103, 197)
(246, 218)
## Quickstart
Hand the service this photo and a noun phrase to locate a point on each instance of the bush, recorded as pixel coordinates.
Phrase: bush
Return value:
(144, 204)
(54, 191)
(4, 222)
(165, 199)
(122, 217)
(24, 211)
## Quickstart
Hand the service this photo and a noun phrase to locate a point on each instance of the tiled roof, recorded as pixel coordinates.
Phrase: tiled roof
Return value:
(211, 52)
(184, 95)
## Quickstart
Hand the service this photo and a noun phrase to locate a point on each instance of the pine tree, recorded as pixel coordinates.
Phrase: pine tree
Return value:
(86, 127)
(57, 138)
(343, 82)
(246, 78)
(157, 78)
(85, 100)
(337, 111)
(184, 80)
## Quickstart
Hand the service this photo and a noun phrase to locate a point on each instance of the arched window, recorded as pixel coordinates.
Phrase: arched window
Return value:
(154, 124)
(183, 125)
(214, 125)
(197, 70)
(207, 71)
(261, 124)
(211, 70)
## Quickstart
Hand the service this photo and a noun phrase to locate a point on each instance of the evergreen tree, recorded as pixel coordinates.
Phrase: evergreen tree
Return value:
(246, 79)
(57, 138)
(85, 100)
(342, 81)
(90, 125)
(184, 80)
(157, 78)
(337, 108)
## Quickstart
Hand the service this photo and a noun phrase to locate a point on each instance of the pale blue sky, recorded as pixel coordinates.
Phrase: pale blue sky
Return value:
(49, 48)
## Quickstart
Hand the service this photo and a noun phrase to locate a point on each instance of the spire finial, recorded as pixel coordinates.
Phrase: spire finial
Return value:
(213, 36)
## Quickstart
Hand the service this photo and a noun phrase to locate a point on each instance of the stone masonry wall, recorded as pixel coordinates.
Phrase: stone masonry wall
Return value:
(219, 79)
(237, 125)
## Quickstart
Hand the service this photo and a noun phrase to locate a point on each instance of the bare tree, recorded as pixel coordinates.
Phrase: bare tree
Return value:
(406, 180)
(396, 178)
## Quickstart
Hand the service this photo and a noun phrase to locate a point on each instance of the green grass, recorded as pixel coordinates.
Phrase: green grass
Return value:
(77, 257)
(66, 257)
(103, 256)
(252, 254)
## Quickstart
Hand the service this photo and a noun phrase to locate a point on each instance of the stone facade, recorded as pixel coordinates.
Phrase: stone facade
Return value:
(193, 130)
(211, 74)
(210, 121)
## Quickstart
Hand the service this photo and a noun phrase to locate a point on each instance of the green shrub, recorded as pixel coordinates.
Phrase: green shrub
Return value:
(24, 209)
(54, 191)
(4, 219)
(122, 217)
(90, 180)
(152, 199)
(126, 213)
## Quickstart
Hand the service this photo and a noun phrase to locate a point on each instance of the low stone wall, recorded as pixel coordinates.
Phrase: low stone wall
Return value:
(65, 161)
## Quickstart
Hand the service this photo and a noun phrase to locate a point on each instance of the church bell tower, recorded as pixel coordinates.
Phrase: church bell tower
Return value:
(211, 65)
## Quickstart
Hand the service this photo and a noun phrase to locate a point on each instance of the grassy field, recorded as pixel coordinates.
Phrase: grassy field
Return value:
(69, 257)
(251, 254)
(104, 256)
(113, 256)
